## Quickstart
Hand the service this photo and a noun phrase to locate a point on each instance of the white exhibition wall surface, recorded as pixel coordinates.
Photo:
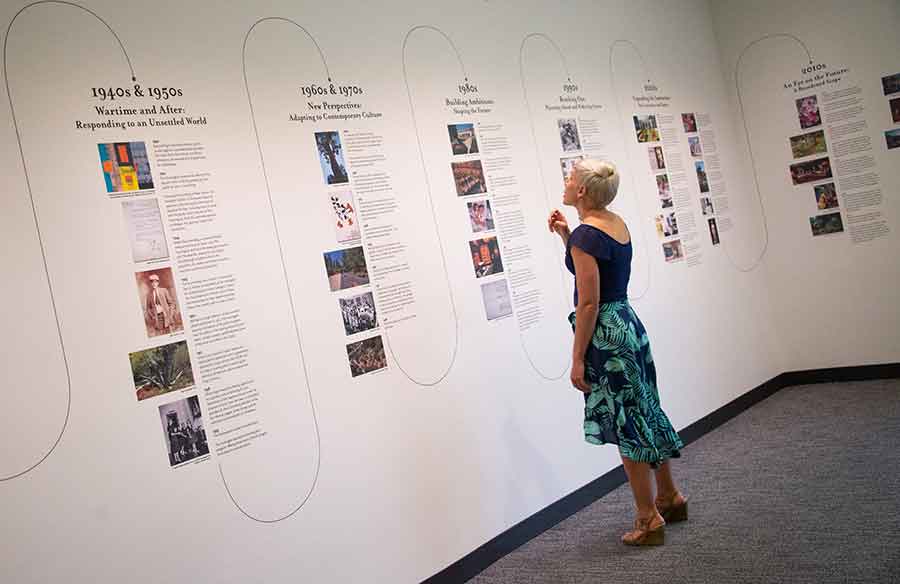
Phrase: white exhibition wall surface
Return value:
(356, 367)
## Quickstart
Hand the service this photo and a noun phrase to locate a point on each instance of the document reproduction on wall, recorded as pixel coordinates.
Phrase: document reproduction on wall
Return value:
(279, 288)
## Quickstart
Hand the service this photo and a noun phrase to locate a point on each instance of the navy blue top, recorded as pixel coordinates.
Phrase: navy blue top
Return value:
(613, 260)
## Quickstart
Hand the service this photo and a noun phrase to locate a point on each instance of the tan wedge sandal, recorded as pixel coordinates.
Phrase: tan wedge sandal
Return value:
(649, 531)
(671, 511)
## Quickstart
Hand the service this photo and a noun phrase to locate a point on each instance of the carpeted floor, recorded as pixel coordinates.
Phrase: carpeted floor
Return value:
(804, 487)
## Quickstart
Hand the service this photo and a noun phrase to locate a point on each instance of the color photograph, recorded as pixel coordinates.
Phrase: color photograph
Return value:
(568, 135)
(808, 112)
(657, 160)
(825, 224)
(892, 138)
(126, 166)
(486, 256)
(497, 303)
(689, 121)
(331, 158)
(462, 139)
(343, 208)
(808, 144)
(826, 196)
(895, 110)
(646, 129)
(480, 216)
(161, 369)
(702, 179)
(366, 356)
(706, 206)
(672, 250)
(662, 186)
(346, 268)
(159, 301)
(812, 170)
(713, 231)
(694, 145)
(891, 84)
(182, 423)
(469, 178)
(358, 313)
(666, 225)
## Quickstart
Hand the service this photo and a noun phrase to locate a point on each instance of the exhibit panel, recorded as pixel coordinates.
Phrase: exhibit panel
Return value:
(278, 287)
(817, 92)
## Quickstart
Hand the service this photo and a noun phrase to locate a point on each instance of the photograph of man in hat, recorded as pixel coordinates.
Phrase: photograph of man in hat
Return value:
(160, 309)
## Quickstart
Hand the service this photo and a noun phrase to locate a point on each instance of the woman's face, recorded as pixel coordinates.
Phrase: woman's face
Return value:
(571, 192)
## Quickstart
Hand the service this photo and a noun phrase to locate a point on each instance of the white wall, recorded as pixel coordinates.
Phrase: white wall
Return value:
(834, 302)
(402, 479)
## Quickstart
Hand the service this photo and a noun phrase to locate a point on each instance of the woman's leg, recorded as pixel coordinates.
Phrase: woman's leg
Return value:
(666, 492)
(641, 487)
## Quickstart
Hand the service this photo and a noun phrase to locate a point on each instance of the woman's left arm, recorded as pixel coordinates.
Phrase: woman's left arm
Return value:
(587, 281)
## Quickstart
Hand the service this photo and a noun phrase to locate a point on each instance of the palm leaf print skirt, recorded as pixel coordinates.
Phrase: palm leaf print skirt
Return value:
(623, 405)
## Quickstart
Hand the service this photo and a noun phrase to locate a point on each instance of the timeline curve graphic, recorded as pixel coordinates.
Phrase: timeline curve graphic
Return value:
(762, 208)
(34, 213)
(287, 281)
(637, 199)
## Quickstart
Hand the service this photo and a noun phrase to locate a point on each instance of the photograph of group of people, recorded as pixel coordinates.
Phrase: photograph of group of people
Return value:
(331, 158)
(811, 171)
(481, 216)
(808, 144)
(469, 178)
(183, 428)
(808, 112)
(826, 196)
(366, 356)
(486, 258)
(568, 135)
(827, 223)
(126, 166)
(359, 313)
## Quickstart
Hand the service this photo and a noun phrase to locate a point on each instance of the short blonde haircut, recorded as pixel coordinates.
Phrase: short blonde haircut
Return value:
(600, 181)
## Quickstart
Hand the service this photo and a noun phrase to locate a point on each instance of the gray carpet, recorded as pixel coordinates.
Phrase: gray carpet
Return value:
(804, 487)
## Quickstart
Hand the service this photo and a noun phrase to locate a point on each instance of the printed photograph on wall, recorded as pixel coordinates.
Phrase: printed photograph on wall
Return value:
(672, 250)
(713, 231)
(812, 170)
(826, 196)
(702, 180)
(366, 356)
(568, 135)
(161, 369)
(145, 230)
(892, 138)
(496, 298)
(567, 164)
(694, 145)
(183, 427)
(159, 301)
(827, 223)
(689, 121)
(808, 111)
(486, 256)
(657, 160)
(469, 178)
(891, 84)
(358, 313)
(126, 166)
(480, 215)
(808, 144)
(346, 268)
(664, 191)
(462, 139)
(666, 225)
(895, 110)
(646, 129)
(331, 158)
(343, 208)
(706, 206)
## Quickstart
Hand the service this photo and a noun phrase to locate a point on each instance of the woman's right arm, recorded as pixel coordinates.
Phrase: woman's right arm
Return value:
(558, 225)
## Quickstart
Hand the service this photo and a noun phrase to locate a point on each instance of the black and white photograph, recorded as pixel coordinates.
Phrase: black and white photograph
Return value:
(657, 160)
(182, 423)
(358, 313)
(567, 163)
(706, 206)
(568, 135)
(713, 231)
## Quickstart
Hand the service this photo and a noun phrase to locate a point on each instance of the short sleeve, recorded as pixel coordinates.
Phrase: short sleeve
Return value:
(591, 241)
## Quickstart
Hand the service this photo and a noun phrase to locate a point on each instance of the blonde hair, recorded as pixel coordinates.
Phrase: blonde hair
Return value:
(600, 181)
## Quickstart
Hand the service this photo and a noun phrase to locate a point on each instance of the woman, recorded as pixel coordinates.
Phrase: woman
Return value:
(611, 360)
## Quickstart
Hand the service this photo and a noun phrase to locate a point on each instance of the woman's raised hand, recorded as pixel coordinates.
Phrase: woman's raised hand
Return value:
(557, 224)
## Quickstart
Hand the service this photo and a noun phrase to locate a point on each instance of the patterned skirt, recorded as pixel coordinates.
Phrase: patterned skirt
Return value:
(623, 405)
